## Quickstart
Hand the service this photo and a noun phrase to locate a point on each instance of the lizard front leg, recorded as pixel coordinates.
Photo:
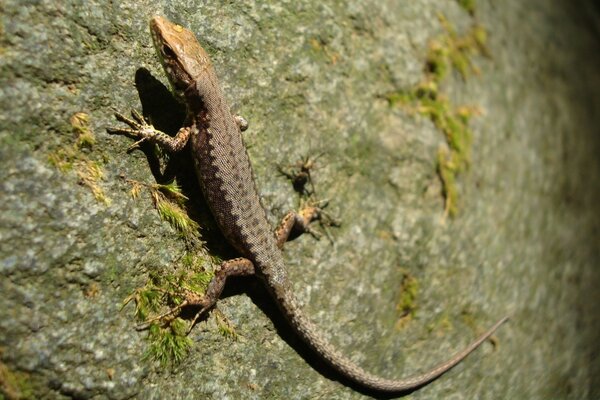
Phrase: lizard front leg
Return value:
(143, 131)
(241, 122)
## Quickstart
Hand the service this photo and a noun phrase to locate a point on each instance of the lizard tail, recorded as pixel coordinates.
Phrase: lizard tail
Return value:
(310, 334)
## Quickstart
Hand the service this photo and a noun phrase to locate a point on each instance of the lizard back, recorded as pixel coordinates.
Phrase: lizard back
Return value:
(227, 180)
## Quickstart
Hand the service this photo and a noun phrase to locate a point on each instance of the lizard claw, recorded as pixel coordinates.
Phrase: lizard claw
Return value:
(169, 315)
(196, 317)
(315, 211)
(136, 144)
(138, 117)
(138, 128)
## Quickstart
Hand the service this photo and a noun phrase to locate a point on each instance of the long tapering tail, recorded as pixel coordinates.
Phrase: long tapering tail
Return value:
(310, 334)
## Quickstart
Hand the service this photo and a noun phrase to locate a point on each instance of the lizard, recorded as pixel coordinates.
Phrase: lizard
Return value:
(222, 166)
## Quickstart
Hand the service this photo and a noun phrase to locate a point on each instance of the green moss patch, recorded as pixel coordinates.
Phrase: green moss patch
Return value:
(446, 53)
(407, 305)
(158, 303)
(74, 157)
(15, 384)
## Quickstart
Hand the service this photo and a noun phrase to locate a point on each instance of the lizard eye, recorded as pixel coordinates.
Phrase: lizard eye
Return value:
(167, 51)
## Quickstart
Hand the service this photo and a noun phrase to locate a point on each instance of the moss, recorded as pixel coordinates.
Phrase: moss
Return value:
(147, 301)
(159, 302)
(225, 327)
(453, 51)
(407, 306)
(447, 52)
(468, 5)
(74, 157)
(15, 384)
(447, 172)
(80, 123)
(174, 215)
(168, 345)
(169, 201)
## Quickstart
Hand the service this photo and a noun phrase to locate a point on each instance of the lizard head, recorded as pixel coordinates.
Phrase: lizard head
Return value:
(181, 56)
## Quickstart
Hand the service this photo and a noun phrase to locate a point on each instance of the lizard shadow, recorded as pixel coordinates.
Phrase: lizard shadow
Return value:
(167, 114)
(257, 292)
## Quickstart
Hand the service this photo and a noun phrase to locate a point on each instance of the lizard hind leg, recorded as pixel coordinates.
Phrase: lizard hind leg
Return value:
(234, 267)
(296, 222)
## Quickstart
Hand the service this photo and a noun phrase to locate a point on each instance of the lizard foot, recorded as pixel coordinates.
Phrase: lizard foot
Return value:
(234, 267)
(138, 128)
(241, 122)
(191, 299)
(296, 223)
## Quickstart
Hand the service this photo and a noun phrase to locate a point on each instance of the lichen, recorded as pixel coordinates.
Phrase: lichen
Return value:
(441, 324)
(407, 306)
(446, 53)
(74, 157)
(14, 384)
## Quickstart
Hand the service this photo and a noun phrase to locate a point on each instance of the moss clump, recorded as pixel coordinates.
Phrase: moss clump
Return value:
(468, 5)
(170, 344)
(225, 327)
(169, 201)
(448, 52)
(15, 384)
(158, 304)
(407, 306)
(74, 157)
(163, 289)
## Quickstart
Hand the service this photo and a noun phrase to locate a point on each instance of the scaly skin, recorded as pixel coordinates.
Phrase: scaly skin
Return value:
(225, 175)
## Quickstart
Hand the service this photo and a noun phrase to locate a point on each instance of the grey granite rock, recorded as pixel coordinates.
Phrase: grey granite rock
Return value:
(310, 77)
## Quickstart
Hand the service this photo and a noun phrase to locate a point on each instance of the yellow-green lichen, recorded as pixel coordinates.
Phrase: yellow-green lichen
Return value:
(74, 157)
(447, 52)
(441, 325)
(15, 384)
(468, 5)
(225, 327)
(451, 51)
(407, 306)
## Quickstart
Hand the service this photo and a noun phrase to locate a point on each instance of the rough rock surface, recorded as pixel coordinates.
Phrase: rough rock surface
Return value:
(310, 77)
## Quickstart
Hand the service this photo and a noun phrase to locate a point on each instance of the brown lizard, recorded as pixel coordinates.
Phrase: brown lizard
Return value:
(225, 175)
